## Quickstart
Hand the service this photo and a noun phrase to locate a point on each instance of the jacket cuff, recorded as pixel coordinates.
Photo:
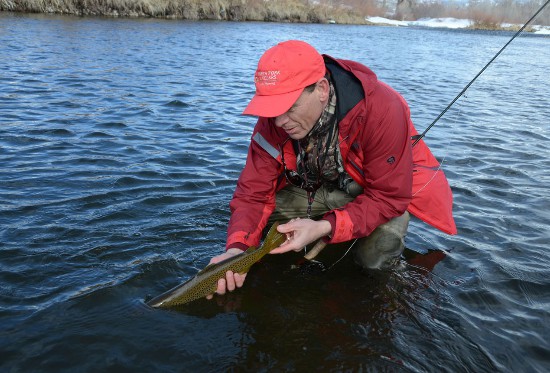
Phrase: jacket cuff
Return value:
(331, 218)
(237, 245)
(342, 228)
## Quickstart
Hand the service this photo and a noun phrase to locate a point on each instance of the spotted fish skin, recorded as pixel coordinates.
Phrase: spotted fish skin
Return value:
(206, 281)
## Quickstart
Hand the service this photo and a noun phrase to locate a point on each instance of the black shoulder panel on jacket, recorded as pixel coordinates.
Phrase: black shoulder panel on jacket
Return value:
(349, 91)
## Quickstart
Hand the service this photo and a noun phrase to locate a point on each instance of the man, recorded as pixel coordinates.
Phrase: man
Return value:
(332, 142)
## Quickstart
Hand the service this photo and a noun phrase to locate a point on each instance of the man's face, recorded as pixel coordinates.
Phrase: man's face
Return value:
(302, 116)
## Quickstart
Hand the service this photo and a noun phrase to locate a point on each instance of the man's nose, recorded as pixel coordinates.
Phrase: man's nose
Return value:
(281, 120)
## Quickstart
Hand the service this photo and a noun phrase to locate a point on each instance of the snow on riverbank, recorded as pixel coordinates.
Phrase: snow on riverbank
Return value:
(453, 23)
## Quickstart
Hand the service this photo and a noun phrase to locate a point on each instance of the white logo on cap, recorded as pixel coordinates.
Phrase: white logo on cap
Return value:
(266, 77)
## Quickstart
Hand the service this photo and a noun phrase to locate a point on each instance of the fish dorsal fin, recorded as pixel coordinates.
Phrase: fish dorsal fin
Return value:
(213, 266)
(272, 240)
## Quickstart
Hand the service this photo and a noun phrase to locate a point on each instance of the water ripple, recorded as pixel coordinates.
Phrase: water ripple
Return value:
(118, 165)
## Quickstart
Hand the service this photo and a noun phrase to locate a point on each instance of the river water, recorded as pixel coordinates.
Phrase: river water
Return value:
(120, 145)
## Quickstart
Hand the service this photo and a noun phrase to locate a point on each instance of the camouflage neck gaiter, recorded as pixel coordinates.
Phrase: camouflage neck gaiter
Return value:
(318, 157)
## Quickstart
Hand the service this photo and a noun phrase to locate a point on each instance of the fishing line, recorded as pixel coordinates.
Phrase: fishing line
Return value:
(417, 138)
(346, 253)
(442, 161)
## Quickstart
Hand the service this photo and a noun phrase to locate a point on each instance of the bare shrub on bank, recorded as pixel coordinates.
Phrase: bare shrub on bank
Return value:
(487, 14)
(233, 10)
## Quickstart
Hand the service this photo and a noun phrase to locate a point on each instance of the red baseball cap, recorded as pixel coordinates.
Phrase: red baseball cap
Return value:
(282, 74)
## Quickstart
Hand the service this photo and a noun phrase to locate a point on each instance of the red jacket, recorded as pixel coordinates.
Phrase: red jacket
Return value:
(375, 132)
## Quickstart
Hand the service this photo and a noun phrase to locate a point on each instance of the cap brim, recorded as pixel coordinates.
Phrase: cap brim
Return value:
(273, 105)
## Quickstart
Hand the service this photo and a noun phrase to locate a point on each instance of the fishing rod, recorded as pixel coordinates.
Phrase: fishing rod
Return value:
(417, 138)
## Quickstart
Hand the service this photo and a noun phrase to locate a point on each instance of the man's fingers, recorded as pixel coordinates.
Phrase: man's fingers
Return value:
(230, 282)
(287, 227)
(239, 279)
(281, 249)
(220, 290)
(221, 286)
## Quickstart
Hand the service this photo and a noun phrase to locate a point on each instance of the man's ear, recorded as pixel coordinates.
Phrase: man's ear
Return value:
(324, 88)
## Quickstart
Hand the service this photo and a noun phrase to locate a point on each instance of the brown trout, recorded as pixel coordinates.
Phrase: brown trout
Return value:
(206, 281)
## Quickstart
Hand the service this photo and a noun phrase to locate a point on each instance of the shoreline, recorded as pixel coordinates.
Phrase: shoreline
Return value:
(441, 23)
(462, 24)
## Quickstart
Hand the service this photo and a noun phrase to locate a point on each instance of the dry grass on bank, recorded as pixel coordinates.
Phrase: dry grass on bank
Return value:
(231, 10)
(485, 14)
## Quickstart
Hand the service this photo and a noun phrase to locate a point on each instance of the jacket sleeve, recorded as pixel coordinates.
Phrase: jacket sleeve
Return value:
(254, 197)
(386, 168)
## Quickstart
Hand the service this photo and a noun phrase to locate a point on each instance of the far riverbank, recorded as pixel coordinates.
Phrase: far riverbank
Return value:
(288, 11)
(228, 10)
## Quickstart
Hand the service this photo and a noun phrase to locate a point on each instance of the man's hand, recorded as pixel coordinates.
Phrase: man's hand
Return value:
(231, 280)
(301, 232)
